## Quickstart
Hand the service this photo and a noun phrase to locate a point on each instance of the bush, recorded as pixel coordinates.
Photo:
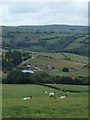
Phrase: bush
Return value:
(65, 69)
(18, 77)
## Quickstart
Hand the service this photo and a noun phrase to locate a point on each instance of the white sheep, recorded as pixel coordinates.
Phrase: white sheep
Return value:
(67, 92)
(27, 98)
(63, 97)
(45, 92)
(52, 94)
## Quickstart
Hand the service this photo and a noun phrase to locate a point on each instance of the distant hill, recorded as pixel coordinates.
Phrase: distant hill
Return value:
(47, 38)
(58, 28)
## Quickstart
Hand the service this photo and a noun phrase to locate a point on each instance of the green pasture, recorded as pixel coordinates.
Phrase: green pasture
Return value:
(76, 68)
(76, 43)
(37, 48)
(77, 58)
(57, 63)
(53, 41)
(73, 72)
(81, 39)
(74, 62)
(53, 55)
(74, 46)
(41, 106)
(73, 57)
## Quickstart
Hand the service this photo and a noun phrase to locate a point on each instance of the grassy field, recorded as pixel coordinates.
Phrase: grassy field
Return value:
(74, 62)
(73, 57)
(41, 106)
(55, 62)
(74, 45)
(74, 72)
(77, 58)
(59, 60)
(53, 55)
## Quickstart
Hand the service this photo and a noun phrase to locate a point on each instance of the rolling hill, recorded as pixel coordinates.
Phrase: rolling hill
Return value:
(48, 38)
(77, 64)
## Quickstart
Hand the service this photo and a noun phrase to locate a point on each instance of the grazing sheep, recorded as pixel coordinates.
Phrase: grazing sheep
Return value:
(52, 94)
(67, 92)
(27, 98)
(45, 92)
(63, 97)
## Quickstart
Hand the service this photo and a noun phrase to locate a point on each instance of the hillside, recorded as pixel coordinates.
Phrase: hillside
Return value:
(58, 28)
(77, 64)
(48, 38)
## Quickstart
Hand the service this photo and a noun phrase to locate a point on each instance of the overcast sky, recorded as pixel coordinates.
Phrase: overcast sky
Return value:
(44, 13)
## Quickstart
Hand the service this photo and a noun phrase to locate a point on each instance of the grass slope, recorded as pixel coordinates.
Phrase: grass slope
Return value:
(46, 39)
(75, 62)
(41, 106)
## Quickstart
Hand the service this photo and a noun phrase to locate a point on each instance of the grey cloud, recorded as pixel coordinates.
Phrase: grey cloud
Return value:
(46, 13)
(28, 7)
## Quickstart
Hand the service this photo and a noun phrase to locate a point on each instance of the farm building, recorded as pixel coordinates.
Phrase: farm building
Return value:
(32, 68)
(27, 71)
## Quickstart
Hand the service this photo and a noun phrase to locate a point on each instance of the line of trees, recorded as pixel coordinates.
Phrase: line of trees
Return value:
(12, 58)
(18, 77)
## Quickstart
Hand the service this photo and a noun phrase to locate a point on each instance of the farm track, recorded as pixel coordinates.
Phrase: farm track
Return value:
(26, 61)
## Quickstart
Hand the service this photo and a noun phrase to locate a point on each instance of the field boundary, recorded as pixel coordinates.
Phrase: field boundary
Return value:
(56, 88)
